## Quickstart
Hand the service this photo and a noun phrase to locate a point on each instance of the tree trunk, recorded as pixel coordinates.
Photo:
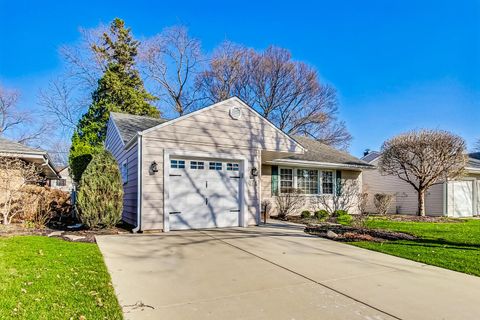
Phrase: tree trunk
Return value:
(421, 203)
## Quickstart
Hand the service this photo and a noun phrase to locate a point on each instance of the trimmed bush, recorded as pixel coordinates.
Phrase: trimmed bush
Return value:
(100, 198)
(305, 214)
(344, 219)
(339, 213)
(321, 215)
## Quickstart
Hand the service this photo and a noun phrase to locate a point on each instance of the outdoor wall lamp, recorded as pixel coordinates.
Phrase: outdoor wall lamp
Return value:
(154, 167)
(254, 172)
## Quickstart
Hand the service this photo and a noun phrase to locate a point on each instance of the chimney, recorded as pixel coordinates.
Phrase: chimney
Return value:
(366, 152)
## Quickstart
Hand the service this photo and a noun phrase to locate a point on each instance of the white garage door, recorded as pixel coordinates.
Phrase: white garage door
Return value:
(460, 197)
(203, 193)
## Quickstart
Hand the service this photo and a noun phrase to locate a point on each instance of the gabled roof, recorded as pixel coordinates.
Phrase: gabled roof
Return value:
(372, 155)
(9, 146)
(473, 161)
(14, 149)
(128, 125)
(321, 153)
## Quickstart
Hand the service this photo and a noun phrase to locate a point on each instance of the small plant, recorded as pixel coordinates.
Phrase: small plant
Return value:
(382, 202)
(305, 214)
(100, 198)
(321, 215)
(339, 213)
(345, 219)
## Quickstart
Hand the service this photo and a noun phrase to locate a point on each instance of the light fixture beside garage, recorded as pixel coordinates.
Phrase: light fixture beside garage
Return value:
(254, 172)
(154, 167)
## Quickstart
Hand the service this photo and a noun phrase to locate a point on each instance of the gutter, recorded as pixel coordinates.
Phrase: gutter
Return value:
(139, 183)
(319, 164)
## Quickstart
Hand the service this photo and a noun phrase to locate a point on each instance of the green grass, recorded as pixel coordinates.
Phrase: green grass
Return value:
(46, 278)
(454, 246)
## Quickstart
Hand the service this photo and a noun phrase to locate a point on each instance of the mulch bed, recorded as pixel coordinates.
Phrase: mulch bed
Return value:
(346, 233)
(16, 229)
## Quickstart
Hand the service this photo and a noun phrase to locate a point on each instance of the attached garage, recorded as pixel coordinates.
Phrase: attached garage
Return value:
(204, 193)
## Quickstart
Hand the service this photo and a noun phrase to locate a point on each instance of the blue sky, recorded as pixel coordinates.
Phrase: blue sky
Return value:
(397, 65)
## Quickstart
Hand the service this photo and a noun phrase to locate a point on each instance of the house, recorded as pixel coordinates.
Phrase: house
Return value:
(213, 167)
(459, 197)
(65, 183)
(9, 148)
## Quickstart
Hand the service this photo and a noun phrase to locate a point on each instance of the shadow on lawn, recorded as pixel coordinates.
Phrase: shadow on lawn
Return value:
(435, 243)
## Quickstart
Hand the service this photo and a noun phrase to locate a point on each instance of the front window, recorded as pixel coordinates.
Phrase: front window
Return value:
(61, 182)
(286, 180)
(327, 182)
(177, 164)
(307, 181)
(215, 166)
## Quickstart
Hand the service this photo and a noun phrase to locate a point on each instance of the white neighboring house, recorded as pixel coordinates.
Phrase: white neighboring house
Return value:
(213, 167)
(65, 183)
(454, 198)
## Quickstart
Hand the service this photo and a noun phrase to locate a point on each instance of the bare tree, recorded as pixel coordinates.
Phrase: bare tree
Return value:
(285, 91)
(14, 175)
(21, 126)
(288, 202)
(10, 116)
(172, 59)
(59, 102)
(362, 202)
(423, 158)
(382, 202)
(345, 198)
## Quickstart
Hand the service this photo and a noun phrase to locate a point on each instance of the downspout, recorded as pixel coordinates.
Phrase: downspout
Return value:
(139, 183)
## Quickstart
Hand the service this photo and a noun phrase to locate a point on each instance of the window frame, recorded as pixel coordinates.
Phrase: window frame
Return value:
(197, 165)
(319, 180)
(124, 171)
(234, 167)
(180, 164)
(215, 166)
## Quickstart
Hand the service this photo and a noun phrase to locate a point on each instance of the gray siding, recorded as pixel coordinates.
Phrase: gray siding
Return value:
(114, 144)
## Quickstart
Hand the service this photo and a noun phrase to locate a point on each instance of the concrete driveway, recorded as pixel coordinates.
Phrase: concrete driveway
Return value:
(277, 272)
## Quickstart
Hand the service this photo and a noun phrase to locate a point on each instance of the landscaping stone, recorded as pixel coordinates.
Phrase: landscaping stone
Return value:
(331, 234)
(74, 237)
(55, 234)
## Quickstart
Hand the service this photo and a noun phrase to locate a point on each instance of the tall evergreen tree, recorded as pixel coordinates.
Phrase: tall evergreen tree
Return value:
(120, 89)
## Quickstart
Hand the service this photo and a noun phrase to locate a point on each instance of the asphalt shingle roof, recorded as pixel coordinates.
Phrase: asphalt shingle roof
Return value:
(9, 146)
(474, 160)
(128, 125)
(320, 152)
(372, 155)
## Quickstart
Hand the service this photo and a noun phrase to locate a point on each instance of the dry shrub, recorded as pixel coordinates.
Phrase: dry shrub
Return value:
(38, 205)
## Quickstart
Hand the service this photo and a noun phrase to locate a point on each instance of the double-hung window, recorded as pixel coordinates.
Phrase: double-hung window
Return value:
(307, 181)
(327, 182)
(286, 180)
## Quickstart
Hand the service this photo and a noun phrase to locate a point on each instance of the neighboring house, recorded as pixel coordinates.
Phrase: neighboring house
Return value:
(459, 197)
(214, 166)
(65, 183)
(9, 148)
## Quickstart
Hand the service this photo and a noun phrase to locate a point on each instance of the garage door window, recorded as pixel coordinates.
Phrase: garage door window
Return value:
(197, 165)
(215, 166)
(232, 167)
(177, 164)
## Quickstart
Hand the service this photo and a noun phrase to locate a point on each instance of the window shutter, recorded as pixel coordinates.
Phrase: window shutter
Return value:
(338, 182)
(274, 180)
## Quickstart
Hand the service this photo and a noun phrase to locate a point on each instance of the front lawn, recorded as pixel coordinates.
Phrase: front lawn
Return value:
(46, 278)
(454, 246)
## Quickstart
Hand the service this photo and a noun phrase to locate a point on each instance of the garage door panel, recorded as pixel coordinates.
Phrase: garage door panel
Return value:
(205, 196)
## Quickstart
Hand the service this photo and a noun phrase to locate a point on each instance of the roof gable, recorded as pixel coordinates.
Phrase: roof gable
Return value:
(129, 125)
(217, 118)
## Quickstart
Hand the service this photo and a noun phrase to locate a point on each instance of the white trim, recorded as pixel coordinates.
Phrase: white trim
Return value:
(472, 170)
(319, 180)
(168, 153)
(232, 99)
(138, 227)
(316, 164)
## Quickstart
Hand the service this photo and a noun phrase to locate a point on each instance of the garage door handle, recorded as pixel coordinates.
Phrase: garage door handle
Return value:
(206, 201)
(175, 175)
